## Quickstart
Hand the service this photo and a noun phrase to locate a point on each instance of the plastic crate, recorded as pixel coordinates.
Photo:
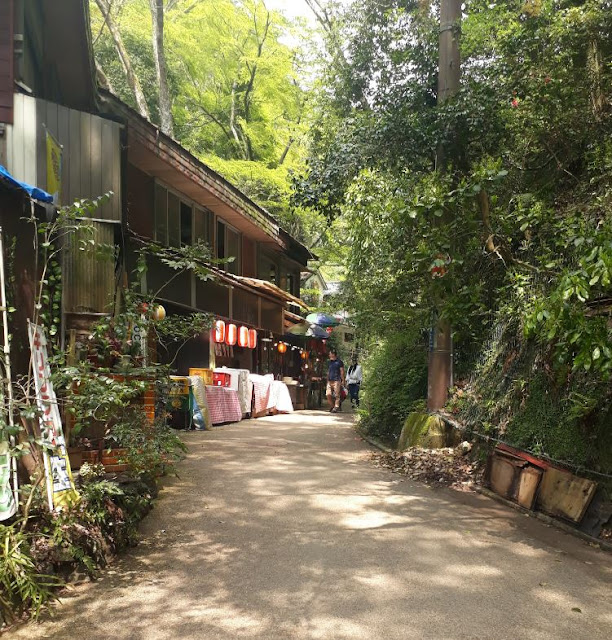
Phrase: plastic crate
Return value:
(206, 374)
(221, 379)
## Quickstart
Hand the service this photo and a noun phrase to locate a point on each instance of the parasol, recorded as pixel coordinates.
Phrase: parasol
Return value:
(322, 319)
(308, 330)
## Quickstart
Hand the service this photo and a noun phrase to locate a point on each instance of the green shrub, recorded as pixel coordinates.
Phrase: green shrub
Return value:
(395, 383)
(22, 586)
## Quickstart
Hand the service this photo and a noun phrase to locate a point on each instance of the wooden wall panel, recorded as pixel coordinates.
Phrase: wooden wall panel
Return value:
(6, 61)
(140, 205)
(91, 152)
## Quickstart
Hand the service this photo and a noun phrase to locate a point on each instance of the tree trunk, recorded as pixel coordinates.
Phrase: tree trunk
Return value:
(165, 103)
(440, 369)
(232, 124)
(124, 57)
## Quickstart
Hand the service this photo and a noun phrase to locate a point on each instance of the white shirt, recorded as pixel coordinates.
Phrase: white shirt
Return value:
(354, 376)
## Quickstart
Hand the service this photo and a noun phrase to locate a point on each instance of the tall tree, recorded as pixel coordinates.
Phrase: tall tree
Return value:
(159, 55)
(221, 78)
(105, 7)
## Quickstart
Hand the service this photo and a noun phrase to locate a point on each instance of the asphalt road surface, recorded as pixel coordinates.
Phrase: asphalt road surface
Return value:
(282, 528)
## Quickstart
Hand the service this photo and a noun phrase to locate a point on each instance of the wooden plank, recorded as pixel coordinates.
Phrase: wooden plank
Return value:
(63, 130)
(95, 158)
(116, 173)
(503, 476)
(529, 481)
(106, 162)
(85, 129)
(30, 136)
(15, 139)
(565, 495)
(6, 62)
(75, 155)
(41, 147)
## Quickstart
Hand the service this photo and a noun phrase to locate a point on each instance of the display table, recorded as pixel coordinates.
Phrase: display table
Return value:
(239, 381)
(261, 393)
(279, 400)
(223, 405)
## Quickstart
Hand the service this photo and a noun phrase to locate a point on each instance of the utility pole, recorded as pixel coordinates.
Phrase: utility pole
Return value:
(440, 370)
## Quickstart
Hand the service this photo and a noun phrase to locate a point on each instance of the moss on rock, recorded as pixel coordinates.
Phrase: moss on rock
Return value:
(424, 430)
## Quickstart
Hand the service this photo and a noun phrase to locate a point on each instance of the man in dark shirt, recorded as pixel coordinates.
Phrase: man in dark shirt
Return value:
(335, 381)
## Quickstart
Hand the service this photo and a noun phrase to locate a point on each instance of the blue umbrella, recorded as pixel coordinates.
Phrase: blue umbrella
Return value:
(322, 319)
(308, 330)
(315, 331)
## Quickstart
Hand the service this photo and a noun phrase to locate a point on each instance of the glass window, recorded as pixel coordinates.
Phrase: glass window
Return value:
(234, 251)
(186, 222)
(161, 215)
(174, 224)
(220, 240)
(203, 226)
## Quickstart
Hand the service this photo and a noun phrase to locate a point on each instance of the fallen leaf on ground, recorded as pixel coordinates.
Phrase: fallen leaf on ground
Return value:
(445, 467)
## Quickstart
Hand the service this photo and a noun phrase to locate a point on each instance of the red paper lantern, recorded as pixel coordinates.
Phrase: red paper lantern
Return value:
(231, 335)
(304, 355)
(282, 347)
(252, 338)
(243, 337)
(219, 333)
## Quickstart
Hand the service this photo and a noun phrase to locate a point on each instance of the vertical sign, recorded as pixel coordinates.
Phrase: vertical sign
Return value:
(9, 497)
(8, 504)
(60, 485)
(54, 168)
(139, 336)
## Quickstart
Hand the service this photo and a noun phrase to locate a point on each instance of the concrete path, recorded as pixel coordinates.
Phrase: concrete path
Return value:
(282, 529)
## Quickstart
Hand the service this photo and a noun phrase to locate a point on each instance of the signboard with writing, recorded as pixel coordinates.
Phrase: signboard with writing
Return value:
(9, 497)
(60, 485)
(54, 168)
(8, 504)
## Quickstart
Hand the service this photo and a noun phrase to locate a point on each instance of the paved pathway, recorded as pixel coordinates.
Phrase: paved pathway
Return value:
(282, 529)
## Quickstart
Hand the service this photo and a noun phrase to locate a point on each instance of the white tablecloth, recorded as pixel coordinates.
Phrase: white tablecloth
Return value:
(280, 400)
(270, 395)
(261, 392)
(239, 381)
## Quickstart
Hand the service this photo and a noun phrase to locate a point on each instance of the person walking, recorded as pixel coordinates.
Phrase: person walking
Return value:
(335, 381)
(354, 378)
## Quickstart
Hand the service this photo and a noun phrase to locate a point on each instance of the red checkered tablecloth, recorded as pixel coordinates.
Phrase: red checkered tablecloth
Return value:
(261, 391)
(223, 404)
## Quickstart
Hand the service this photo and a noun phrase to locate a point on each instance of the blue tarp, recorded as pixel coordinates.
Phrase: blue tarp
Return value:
(33, 192)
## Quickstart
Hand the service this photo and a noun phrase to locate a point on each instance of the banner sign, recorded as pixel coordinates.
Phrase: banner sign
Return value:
(9, 496)
(60, 485)
(54, 168)
(8, 503)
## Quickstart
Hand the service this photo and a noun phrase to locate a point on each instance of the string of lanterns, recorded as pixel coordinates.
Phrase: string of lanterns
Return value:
(230, 334)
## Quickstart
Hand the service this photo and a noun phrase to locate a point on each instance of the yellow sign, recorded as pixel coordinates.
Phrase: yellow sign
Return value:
(54, 168)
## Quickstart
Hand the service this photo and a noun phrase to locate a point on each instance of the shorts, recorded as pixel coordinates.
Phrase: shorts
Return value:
(333, 388)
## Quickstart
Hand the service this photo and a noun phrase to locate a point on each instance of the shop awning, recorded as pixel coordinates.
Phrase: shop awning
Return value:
(272, 289)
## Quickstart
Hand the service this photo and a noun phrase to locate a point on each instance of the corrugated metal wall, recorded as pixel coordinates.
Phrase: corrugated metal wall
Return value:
(89, 275)
(91, 157)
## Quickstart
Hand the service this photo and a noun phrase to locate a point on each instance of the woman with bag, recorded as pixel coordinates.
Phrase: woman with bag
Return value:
(354, 378)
